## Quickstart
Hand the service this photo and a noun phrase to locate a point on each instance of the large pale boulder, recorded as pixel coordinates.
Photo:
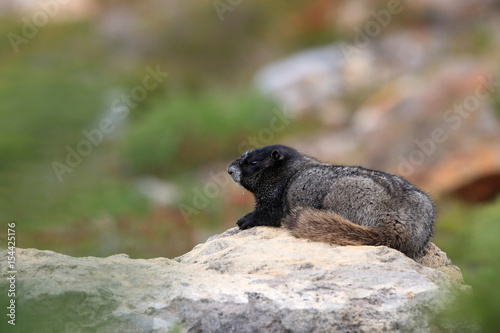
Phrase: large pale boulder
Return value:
(257, 280)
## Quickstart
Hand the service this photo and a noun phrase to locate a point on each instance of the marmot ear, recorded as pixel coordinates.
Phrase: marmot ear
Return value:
(277, 155)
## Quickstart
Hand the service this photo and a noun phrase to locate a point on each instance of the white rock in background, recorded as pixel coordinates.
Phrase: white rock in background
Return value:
(309, 80)
(158, 191)
(302, 79)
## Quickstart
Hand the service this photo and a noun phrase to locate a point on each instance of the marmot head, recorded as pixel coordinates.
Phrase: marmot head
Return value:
(260, 163)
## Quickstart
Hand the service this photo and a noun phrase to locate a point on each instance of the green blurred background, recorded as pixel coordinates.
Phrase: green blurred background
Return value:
(63, 77)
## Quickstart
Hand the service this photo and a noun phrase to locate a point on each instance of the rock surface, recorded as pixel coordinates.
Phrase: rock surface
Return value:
(255, 280)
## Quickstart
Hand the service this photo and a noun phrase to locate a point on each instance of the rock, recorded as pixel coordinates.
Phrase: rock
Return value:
(319, 80)
(304, 79)
(260, 279)
(159, 192)
(440, 132)
(432, 123)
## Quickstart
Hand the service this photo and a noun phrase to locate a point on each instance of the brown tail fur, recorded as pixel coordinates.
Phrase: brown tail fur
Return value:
(327, 226)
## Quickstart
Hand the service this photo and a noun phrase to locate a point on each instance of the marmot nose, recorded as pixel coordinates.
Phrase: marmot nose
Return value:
(229, 170)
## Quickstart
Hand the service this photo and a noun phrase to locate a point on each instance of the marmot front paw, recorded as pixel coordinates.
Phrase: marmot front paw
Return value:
(246, 222)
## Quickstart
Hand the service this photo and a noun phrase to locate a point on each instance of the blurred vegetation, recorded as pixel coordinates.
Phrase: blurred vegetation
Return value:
(64, 81)
(204, 126)
(469, 235)
(60, 83)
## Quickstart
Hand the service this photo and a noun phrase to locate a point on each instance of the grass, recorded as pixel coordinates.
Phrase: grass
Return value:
(470, 237)
(96, 209)
(187, 131)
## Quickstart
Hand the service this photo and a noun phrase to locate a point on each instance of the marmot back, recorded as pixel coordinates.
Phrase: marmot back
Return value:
(338, 204)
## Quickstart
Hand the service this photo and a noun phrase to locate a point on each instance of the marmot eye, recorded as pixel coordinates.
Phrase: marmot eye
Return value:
(253, 163)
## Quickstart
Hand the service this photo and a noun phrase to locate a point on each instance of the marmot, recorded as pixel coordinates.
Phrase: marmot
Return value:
(345, 205)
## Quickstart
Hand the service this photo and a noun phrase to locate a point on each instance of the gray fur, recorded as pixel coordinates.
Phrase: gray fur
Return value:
(328, 202)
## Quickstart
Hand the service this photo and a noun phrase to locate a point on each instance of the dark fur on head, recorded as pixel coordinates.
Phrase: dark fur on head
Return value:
(260, 165)
(265, 172)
